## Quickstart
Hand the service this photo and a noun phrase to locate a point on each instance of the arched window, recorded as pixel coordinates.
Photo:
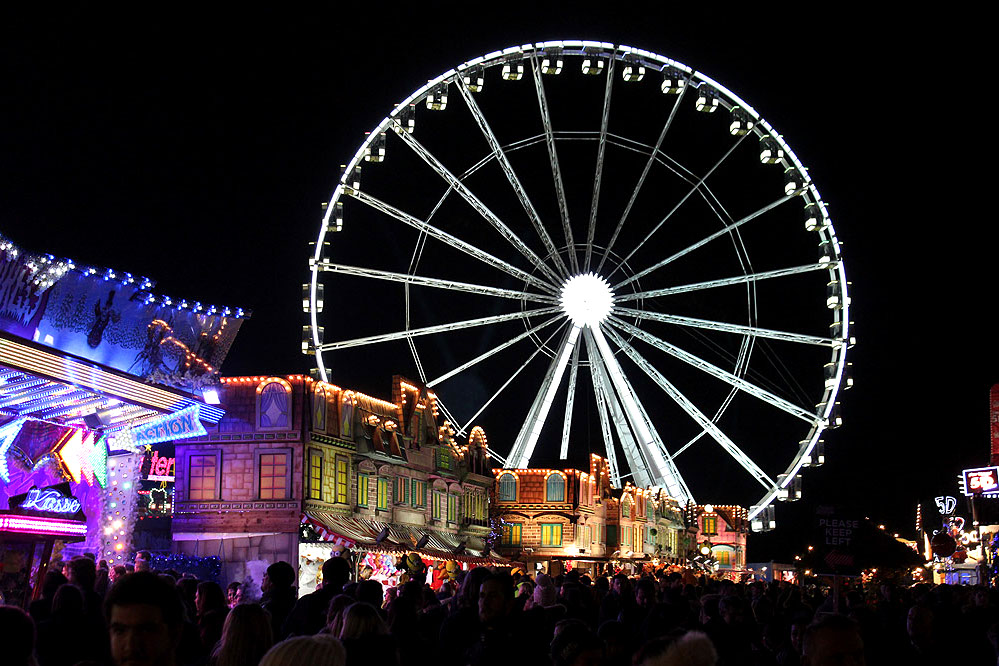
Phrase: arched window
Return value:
(319, 408)
(626, 507)
(507, 488)
(555, 488)
(274, 405)
(347, 415)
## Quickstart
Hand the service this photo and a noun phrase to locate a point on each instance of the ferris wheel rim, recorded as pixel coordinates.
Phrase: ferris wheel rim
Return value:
(622, 53)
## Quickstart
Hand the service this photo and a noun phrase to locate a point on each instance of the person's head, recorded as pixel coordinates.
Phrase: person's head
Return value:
(619, 584)
(495, 598)
(234, 594)
(371, 592)
(17, 635)
(318, 650)
(732, 609)
(83, 573)
(336, 573)
(116, 572)
(335, 613)
(52, 581)
(919, 625)
(361, 620)
(575, 645)
(278, 576)
(145, 615)
(68, 600)
(209, 597)
(680, 648)
(645, 593)
(797, 632)
(470, 584)
(143, 561)
(833, 640)
(246, 636)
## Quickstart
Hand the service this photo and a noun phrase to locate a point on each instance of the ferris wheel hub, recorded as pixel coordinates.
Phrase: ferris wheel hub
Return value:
(586, 299)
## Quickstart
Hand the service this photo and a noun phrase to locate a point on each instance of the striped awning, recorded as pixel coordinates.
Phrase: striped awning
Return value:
(362, 533)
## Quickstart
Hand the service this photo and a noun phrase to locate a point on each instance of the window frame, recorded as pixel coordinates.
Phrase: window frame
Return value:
(551, 530)
(363, 479)
(341, 487)
(512, 537)
(548, 488)
(217, 454)
(501, 485)
(709, 525)
(314, 492)
(401, 483)
(289, 468)
(418, 499)
(383, 485)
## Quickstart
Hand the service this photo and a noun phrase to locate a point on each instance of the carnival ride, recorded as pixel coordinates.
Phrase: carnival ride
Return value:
(622, 215)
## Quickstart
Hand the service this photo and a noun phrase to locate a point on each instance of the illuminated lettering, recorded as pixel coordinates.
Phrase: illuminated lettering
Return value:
(183, 424)
(50, 500)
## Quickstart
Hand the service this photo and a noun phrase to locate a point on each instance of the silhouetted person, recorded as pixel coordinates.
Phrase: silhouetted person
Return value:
(309, 614)
(17, 636)
(145, 617)
(280, 595)
(69, 636)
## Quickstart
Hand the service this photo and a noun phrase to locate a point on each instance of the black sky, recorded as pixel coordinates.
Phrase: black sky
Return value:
(195, 149)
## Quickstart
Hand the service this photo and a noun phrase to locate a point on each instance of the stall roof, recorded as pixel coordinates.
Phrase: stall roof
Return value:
(50, 385)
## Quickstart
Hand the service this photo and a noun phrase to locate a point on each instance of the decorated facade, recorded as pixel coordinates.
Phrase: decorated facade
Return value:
(94, 367)
(300, 470)
(720, 538)
(558, 519)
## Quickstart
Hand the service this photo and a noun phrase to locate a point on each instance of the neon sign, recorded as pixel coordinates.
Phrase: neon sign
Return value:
(50, 500)
(946, 504)
(161, 468)
(37, 525)
(179, 425)
(981, 481)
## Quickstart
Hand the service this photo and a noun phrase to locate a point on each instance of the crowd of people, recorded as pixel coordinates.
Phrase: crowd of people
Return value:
(94, 615)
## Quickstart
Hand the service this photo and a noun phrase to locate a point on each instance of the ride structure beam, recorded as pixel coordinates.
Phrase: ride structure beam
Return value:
(527, 438)
(693, 412)
(491, 352)
(724, 231)
(449, 239)
(723, 282)
(711, 325)
(563, 207)
(641, 181)
(715, 371)
(432, 330)
(605, 423)
(511, 176)
(569, 401)
(458, 186)
(662, 470)
(591, 229)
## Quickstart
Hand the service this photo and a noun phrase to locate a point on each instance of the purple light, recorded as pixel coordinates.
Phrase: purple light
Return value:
(36, 525)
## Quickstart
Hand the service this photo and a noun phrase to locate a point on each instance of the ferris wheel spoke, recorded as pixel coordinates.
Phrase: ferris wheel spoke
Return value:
(448, 239)
(433, 330)
(474, 201)
(712, 325)
(438, 283)
(723, 282)
(563, 207)
(659, 470)
(653, 155)
(510, 379)
(495, 350)
(611, 413)
(690, 193)
(692, 411)
(724, 231)
(527, 439)
(715, 371)
(591, 229)
(570, 400)
(511, 176)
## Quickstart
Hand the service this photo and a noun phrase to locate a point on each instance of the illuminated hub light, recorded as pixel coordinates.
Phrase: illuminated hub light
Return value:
(587, 299)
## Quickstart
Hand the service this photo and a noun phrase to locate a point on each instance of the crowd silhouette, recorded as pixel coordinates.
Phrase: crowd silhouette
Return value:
(91, 615)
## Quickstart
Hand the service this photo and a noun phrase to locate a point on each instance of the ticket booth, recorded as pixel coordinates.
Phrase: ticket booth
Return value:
(29, 528)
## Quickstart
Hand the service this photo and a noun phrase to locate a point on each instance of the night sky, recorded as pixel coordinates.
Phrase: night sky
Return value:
(197, 149)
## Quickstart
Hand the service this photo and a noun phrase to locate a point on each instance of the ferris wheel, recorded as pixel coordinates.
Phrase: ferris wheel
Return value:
(606, 247)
